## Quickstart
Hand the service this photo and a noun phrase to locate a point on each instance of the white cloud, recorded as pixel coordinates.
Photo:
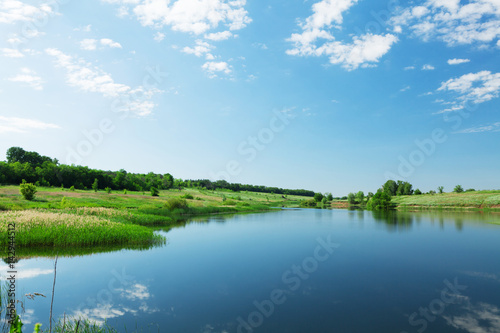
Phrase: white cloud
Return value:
(405, 89)
(216, 36)
(11, 53)
(88, 78)
(495, 127)
(110, 43)
(159, 36)
(428, 67)
(317, 40)
(473, 87)
(13, 11)
(474, 21)
(86, 28)
(28, 77)
(193, 16)
(456, 61)
(23, 125)
(201, 48)
(213, 67)
(88, 44)
(409, 68)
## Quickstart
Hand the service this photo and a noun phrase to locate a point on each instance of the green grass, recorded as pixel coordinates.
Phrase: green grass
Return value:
(35, 228)
(465, 200)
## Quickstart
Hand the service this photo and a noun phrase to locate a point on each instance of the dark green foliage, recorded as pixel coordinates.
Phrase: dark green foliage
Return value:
(470, 190)
(440, 189)
(392, 188)
(309, 203)
(458, 189)
(28, 190)
(108, 190)
(351, 198)
(155, 192)
(369, 196)
(329, 197)
(360, 196)
(417, 192)
(187, 196)
(318, 197)
(380, 201)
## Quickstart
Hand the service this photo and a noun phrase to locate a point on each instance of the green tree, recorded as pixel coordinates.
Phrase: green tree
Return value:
(380, 201)
(108, 190)
(351, 198)
(390, 187)
(155, 192)
(28, 190)
(95, 185)
(440, 189)
(329, 197)
(318, 197)
(417, 192)
(369, 196)
(360, 197)
(458, 189)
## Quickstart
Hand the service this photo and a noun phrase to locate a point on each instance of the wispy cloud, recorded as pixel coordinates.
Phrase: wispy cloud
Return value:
(409, 68)
(88, 78)
(23, 125)
(405, 89)
(316, 38)
(29, 78)
(217, 36)
(90, 44)
(452, 21)
(473, 87)
(159, 36)
(11, 53)
(456, 61)
(201, 48)
(428, 67)
(495, 127)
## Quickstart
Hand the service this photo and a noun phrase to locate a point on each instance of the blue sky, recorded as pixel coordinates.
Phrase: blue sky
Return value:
(332, 95)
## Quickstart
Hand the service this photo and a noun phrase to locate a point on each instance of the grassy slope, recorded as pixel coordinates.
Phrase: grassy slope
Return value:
(121, 218)
(477, 199)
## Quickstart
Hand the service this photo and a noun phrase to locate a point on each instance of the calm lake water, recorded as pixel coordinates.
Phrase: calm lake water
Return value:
(288, 271)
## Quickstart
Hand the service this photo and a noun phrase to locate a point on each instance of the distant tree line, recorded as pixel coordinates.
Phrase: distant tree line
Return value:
(45, 171)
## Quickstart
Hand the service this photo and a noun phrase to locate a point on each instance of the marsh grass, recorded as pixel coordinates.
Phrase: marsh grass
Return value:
(46, 228)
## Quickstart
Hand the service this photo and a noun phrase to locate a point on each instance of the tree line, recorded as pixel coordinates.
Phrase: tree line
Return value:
(45, 171)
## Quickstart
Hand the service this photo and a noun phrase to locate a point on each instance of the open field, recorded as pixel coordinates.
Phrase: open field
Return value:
(465, 200)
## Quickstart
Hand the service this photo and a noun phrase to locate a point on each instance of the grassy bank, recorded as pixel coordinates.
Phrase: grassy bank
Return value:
(466, 200)
(66, 219)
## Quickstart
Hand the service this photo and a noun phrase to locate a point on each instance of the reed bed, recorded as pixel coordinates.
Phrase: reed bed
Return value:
(47, 228)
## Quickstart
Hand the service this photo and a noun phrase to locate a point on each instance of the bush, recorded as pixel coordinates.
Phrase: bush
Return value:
(175, 203)
(417, 192)
(72, 189)
(187, 196)
(309, 203)
(380, 201)
(125, 191)
(229, 203)
(458, 189)
(155, 192)
(28, 190)
(318, 197)
(108, 190)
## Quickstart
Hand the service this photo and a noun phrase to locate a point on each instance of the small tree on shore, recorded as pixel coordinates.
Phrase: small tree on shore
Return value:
(95, 185)
(155, 192)
(458, 189)
(440, 189)
(28, 190)
(351, 198)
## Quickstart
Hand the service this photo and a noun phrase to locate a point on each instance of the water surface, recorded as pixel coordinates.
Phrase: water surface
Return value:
(288, 271)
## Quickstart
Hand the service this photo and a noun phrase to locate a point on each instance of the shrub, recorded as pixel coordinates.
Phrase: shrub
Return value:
(95, 185)
(417, 192)
(458, 189)
(155, 192)
(125, 191)
(187, 196)
(72, 189)
(28, 190)
(108, 190)
(175, 203)
(309, 203)
(380, 201)
(318, 197)
(229, 203)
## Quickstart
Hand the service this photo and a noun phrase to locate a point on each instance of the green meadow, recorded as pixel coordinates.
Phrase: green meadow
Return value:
(69, 219)
(465, 200)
